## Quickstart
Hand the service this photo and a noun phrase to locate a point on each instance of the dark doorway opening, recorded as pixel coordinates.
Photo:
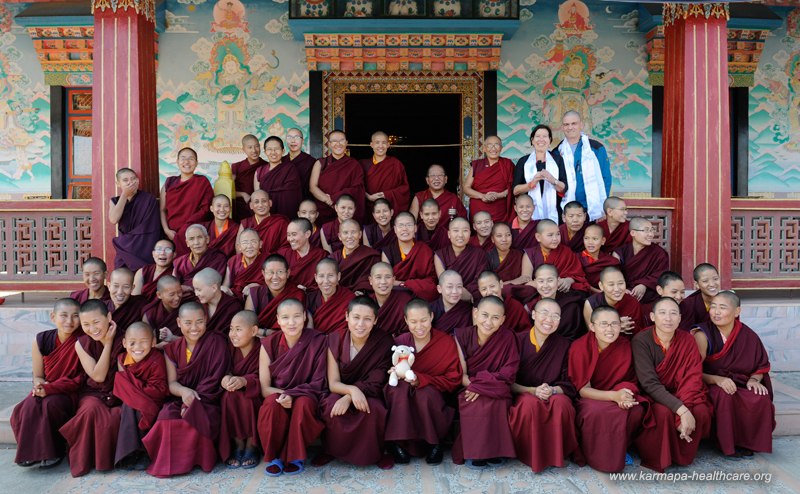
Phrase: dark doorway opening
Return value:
(416, 120)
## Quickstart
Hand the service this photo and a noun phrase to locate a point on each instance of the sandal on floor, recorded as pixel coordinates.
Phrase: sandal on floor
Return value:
(295, 467)
(249, 459)
(476, 464)
(235, 460)
(274, 464)
(28, 463)
(45, 464)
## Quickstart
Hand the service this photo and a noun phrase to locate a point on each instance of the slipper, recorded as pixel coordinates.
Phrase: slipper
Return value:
(295, 467)
(277, 464)
(496, 462)
(28, 463)
(249, 459)
(45, 464)
(234, 461)
(476, 464)
(628, 459)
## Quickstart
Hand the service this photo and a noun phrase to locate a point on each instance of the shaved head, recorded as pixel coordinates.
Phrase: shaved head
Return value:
(208, 276)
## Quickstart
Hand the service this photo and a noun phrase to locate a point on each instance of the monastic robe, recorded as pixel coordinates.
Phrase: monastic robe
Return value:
(356, 437)
(220, 320)
(182, 213)
(565, 261)
(470, 263)
(159, 316)
(601, 424)
(573, 241)
(271, 230)
(224, 241)
(176, 443)
(627, 307)
(389, 177)
(82, 296)
(436, 239)
(35, 421)
(391, 315)
(329, 314)
(315, 240)
(150, 281)
(331, 232)
(544, 431)
(508, 268)
(355, 268)
(572, 324)
(518, 320)
(644, 268)
(495, 178)
(447, 201)
(139, 230)
(185, 270)
(694, 311)
(458, 316)
(592, 267)
(243, 173)
(338, 177)
(303, 268)
(486, 245)
(129, 312)
(743, 419)
(416, 271)
(491, 367)
(524, 238)
(671, 379)
(242, 274)
(265, 304)
(616, 239)
(301, 372)
(285, 187)
(304, 163)
(142, 387)
(240, 407)
(420, 413)
(377, 240)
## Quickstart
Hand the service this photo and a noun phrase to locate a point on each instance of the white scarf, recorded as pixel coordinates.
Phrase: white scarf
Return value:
(544, 202)
(592, 177)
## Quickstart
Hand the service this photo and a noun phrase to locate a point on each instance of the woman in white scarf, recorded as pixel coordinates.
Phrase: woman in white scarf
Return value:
(542, 176)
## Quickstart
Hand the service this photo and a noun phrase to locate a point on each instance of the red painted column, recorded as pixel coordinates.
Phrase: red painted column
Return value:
(696, 144)
(123, 108)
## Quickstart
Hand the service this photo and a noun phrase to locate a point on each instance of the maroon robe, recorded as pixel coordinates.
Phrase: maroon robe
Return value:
(420, 413)
(486, 245)
(575, 243)
(417, 271)
(224, 242)
(181, 213)
(301, 372)
(315, 240)
(220, 321)
(592, 267)
(159, 316)
(339, 177)
(150, 282)
(241, 275)
(565, 261)
(389, 177)
(377, 240)
(391, 315)
(176, 443)
(35, 421)
(302, 268)
(602, 423)
(517, 318)
(525, 238)
(485, 431)
(458, 316)
(284, 185)
(615, 240)
(271, 230)
(139, 230)
(243, 181)
(81, 296)
(510, 268)
(436, 239)
(129, 312)
(185, 271)
(743, 419)
(694, 311)
(572, 325)
(331, 232)
(628, 306)
(496, 178)
(679, 372)
(643, 268)
(447, 201)
(544, 431)
(470, 263)
(266, 305)
(357, 437)
(304, 163)
(329, 314)
(143, 388)
(240, 407)
(355, 268)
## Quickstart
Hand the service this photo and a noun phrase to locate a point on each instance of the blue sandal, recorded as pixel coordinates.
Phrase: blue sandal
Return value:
(300, 464)
(235, 460)
(274, 463)
(249, 459)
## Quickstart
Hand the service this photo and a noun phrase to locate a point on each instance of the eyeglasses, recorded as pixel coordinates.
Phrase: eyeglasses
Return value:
(404, 225)
(620, 209)
(244, 243)
(270, 274)
(293, 138)
(493, 145)
(606, 324)
(187, 158)
(547, 315)
(645, 230)
(163, 250)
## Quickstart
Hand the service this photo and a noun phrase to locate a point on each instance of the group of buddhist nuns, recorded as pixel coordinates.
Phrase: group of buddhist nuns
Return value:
(260, 327)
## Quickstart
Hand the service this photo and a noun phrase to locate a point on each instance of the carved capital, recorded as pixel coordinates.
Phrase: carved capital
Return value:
(673, 12)
(147, 8)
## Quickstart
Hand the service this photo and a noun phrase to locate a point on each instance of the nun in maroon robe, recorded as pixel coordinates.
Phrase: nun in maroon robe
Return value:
(416, 271)
(242, 274)
(139, 230)
(627, 307)
(142, 387)
(486, 245)
(243, 173)
(459, 315)
(240, 407)
(354, 268)
(331, 232)
(491, 367)
(525, 238)
(301, 372)
(35, 420)
(694, 311)
(743, 419)
(357, 437)
(220, 320)
(601, 424)
(493, 178)
(129, 312)
(574, 241)
(447, 201)
(285, 187)
(615, 240)
(510, 268)
(644, 268)
(329, 314)
(265, 304)
(419, 414)
(544, 431)
(592, 267)
(339, 177)
(82, 296)
(186, 267)
(158, 316)
(301, 268)
(469, 264)
(392, 312)
(388, 176)
(224, 241)
(271, 230)
(150, 281)
(184, 437)
(377, 240)
(436, 239)
(572, 324)
(565, 261)
(182, 213)
(304, 163)
(517, 318)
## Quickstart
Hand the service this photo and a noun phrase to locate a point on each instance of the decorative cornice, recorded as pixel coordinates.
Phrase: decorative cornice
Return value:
(147, 8)
(675, 11)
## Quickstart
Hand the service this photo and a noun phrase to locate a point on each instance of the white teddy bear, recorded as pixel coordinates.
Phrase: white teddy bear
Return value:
(402, 360)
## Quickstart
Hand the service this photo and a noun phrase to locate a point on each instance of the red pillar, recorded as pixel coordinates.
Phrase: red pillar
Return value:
(123, 108)
(696, 146)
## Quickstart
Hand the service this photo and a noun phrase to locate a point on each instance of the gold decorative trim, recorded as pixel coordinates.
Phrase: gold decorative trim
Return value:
(673, 12)
(147, 8)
